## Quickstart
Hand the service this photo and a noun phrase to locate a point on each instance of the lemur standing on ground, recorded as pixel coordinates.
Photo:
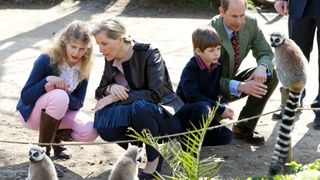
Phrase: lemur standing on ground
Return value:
(291, 71)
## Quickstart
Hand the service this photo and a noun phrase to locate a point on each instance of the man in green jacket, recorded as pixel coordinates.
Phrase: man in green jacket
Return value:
(240, 33)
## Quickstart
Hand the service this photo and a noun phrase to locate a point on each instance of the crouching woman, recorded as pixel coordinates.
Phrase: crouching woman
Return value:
(134, 82)
(51, 99)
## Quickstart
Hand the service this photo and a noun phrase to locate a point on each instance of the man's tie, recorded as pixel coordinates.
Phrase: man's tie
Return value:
(235, 45)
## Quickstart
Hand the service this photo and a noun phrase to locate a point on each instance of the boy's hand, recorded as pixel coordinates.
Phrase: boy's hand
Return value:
(228, 113)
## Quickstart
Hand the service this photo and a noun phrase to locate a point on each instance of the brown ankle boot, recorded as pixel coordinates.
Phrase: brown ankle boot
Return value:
(61, 152)
(48, 129)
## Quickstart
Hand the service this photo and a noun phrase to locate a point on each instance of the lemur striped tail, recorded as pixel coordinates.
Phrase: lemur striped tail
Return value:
(283, 144)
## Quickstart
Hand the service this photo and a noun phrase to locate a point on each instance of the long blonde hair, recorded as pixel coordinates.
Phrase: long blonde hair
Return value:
(75, 31)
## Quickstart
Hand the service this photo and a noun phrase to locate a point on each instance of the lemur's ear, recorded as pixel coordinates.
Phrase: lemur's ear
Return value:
(43, 149)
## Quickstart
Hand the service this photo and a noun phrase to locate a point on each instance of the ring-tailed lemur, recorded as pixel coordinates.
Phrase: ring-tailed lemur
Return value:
(127, 165)
(291, 71)
(41, 167)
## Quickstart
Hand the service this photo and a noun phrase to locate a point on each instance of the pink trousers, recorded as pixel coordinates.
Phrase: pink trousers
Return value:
(55, 104)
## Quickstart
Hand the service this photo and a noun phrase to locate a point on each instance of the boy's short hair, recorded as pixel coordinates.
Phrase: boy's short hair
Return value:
(204, 37)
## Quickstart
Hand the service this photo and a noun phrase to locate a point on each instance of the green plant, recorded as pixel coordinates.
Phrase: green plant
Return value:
(296, 168)
(186, 163)
(309, 171)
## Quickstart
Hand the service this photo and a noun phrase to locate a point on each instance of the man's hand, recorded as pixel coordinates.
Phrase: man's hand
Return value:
(253, 88)
(281, 7)
(259, 75)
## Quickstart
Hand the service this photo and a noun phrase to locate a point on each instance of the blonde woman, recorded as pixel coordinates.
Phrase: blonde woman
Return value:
(135, 87)
(55, 90)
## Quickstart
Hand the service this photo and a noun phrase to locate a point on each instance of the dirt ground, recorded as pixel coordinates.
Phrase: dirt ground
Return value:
(25, 30)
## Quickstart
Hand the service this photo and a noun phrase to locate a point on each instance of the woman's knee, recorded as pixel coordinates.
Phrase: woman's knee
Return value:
(60, 97)
(84, 133)
(140, 110)
(58, 102)
(88, 136)
(110, 134)
(145, 117)
(81, 125)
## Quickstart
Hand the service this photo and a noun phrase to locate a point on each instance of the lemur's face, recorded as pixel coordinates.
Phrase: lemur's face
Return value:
(276, 39)
(36, 153)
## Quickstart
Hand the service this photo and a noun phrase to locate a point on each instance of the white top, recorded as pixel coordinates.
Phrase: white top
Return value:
(71, 75)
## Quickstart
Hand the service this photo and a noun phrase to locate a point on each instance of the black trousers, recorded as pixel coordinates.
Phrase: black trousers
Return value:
(254, 106)
(302, 31)
(144, 117)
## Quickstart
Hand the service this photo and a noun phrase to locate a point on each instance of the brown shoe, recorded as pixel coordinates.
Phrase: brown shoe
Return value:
(60, 152)
(252, 137)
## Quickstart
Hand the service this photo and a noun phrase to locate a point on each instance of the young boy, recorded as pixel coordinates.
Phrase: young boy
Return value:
(199, 86)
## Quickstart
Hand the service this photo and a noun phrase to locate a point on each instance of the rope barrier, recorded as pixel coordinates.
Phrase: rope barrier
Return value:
(157, 137)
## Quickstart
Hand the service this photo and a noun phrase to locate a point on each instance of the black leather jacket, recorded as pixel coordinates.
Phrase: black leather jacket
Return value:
(147, 76)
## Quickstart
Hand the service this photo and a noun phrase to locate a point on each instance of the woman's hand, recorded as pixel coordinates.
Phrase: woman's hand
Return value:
(119, 92)
(55, 82)
(105, 101)
(49, 86)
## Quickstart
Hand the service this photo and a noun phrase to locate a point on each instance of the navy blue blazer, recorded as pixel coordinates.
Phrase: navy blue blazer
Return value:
(34, 88)
(198, 85)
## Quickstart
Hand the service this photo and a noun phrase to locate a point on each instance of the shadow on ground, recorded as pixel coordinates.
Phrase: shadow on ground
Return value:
(20, 172)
